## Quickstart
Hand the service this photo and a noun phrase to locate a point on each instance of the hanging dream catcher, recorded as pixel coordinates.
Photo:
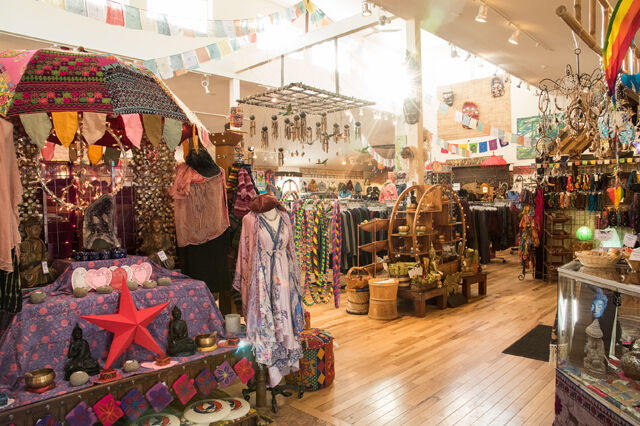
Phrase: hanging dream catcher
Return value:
(265, 136)
(323, 122)
(287, 129)
(252, 125)
(497, 87)
(318, 130)
(346, 133)
(274, 127)
(336, 132)
(303, 126)
(358, 131)
(280, 157)
(470, 109)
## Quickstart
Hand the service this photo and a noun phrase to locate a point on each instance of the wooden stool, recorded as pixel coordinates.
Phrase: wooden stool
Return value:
(420, 297)
(479, 278)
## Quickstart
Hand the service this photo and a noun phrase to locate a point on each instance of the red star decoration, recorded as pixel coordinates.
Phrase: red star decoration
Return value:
(128, 325)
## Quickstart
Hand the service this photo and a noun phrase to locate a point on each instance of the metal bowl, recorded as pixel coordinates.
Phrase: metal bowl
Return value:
(403, 228)
(40, 378)
(206, 340)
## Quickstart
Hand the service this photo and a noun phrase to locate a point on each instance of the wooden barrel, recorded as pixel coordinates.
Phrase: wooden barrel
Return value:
(358, 301)
(383, 298)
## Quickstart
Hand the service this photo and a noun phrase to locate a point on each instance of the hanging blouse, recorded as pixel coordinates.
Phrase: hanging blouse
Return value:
(244, 195)
(200, 206)
(388, 193)
(10, 195)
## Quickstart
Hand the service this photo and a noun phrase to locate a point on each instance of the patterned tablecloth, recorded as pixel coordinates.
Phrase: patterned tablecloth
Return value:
(39, 335)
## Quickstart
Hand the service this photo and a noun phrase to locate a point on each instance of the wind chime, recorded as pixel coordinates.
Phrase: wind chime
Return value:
(336, 132)
(325, 142)
(358, 131)
(287, 129)
(318, 130)
(346, 133)
(296, 128)
(252, 125)
(309, 137)
(274, 127)
(323, 122)
(265, 136)
(280, 157)
(303, 126)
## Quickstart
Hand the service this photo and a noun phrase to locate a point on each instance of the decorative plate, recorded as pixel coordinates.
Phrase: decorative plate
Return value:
(239, 408)
(160, 419)
(77, 278)
(207, 411)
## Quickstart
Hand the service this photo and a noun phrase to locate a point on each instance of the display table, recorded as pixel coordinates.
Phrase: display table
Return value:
(39, 336)
(420, 297)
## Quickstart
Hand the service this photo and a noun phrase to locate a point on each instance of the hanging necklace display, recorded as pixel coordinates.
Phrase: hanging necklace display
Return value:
(318, 130)
(303, 126)
(309, 137)
(336, 132)
(323, 122)
(347, 133)
(287, 129)
(358, 131)
(280, 157)
(274, 127)
(296, 127)
(252, 125)
(264, 136)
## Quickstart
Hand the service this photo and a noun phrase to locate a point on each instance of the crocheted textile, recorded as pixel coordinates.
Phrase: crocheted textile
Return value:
(62, 81)
(135, 91)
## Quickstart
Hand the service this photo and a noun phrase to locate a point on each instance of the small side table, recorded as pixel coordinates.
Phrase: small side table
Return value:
(420, 297)
(480, 278)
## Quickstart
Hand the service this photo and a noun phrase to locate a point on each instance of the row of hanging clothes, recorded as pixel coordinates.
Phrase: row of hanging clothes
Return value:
(353, 214)
(317, 229)
(492, 227)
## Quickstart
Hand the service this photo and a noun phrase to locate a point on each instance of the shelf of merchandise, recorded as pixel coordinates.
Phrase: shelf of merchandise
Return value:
(439, 211)
(556, 252)
(374, 247)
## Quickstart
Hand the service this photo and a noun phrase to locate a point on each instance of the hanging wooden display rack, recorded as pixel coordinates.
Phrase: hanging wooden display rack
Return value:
(301, 97)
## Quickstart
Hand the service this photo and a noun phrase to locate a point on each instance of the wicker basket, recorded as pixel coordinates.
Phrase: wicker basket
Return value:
(594, 259)
(357, 281)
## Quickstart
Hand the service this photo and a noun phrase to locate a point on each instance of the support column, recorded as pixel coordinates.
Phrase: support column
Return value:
(415, 137)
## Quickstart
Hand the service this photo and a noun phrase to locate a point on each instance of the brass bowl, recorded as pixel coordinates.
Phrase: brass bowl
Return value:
(206, 340)
(40, 378)
(421, 229)
(403, 229)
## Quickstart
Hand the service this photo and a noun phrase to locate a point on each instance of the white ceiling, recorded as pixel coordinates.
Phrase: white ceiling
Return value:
(453, 20)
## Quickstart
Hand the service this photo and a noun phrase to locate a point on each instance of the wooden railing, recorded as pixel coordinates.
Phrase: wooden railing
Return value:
(632, 60)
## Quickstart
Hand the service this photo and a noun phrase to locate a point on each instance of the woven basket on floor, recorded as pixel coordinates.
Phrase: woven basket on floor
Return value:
(355, 279)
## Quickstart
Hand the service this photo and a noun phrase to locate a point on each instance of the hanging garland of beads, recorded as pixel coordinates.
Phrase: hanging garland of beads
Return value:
(28, 164)
(154, 169)
(336, 241)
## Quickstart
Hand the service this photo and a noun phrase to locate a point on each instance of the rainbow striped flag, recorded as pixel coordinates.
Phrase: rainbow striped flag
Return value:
(622, 28)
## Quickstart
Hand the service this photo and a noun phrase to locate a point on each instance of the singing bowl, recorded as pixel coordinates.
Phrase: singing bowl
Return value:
(421, 229)
(40, 378)
(403, 229)
(206, 340)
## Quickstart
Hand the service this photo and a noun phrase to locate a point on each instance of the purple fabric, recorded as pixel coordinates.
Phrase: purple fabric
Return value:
(39, 336)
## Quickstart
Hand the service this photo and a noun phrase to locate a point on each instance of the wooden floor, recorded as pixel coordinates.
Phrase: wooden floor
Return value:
(447, 368)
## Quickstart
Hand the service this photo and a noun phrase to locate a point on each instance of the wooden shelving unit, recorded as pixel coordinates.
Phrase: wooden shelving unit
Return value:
(556, 251)
(374, 247)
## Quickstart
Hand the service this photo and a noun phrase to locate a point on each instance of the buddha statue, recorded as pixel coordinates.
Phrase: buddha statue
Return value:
(154, 240)
(594, 361)
(79, 356)
(33, 252)
(179, 342)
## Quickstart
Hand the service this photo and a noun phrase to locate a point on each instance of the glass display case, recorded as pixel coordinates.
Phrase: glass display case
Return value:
(598, 364)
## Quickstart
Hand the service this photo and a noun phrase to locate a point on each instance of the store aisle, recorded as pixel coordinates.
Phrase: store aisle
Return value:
(447, 368)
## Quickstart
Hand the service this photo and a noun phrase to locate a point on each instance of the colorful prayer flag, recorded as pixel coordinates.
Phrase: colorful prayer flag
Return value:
(483, 146)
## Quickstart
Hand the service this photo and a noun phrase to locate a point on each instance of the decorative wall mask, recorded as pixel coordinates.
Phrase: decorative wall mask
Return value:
(447, 98)
(497, 87)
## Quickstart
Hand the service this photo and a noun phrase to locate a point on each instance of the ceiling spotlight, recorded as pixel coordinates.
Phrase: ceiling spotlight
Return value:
(274, 100)
(482, 13)
(205, 83)
(454, 52)
(344, 162)
(366, 8)
(514, 37)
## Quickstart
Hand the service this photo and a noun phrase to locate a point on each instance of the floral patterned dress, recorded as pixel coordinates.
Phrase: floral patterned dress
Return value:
(275, 314)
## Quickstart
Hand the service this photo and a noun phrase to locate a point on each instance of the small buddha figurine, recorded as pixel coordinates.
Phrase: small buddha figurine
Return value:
(156, 240)
(179, 342)
(593, 363)
(79, 356)
(33, 252)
